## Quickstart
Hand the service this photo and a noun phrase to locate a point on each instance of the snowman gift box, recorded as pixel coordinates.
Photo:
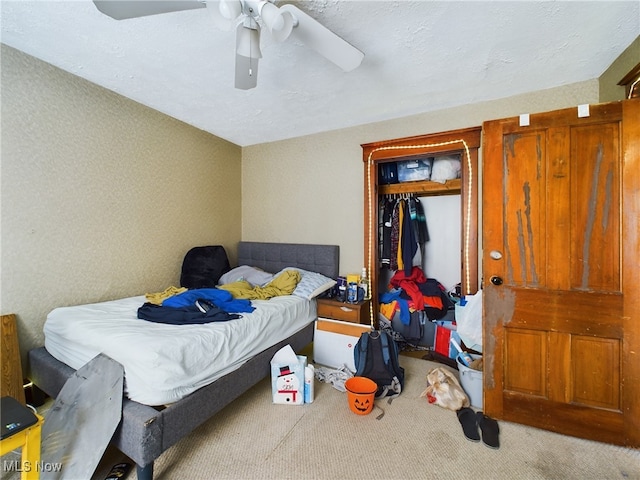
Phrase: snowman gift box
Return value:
(287, 377)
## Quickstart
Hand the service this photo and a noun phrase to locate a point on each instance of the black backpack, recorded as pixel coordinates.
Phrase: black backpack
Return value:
(202, 267)
(376, 358)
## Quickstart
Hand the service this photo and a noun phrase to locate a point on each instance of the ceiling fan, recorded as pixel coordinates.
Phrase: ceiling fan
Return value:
(249, 17)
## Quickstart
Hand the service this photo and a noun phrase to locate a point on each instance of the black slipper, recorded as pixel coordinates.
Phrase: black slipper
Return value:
(490, 430)
(467, 418)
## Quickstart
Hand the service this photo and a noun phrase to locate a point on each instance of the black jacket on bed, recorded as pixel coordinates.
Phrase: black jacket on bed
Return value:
(183, 315)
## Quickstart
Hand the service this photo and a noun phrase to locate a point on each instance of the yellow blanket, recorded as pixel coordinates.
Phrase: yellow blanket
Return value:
(283, 284)
(159, 297)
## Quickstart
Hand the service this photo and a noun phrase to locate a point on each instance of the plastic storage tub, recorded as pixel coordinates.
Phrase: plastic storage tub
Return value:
(472, 382)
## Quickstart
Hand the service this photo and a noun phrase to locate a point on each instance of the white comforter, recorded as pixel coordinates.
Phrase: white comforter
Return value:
(162, 362)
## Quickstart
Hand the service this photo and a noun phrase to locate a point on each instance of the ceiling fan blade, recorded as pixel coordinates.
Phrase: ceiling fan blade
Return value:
(122, 9)
(248, 54)
(246, 72)
(318, 37)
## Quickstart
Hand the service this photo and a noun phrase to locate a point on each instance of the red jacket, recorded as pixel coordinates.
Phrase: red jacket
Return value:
(410, 285)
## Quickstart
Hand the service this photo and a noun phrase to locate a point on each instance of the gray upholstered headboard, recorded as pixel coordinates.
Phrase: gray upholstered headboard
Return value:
(273, 257)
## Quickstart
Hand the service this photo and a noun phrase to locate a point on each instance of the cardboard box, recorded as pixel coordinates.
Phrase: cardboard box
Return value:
(287, 377)
(334, 341)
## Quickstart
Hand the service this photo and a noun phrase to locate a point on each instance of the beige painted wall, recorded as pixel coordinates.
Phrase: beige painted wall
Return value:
(310, 189)
(610, 91)
(101, 196)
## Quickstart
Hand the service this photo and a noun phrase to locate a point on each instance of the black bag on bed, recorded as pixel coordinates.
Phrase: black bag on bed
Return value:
(203, 266)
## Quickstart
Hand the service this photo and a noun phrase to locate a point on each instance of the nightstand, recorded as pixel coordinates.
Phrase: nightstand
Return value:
(347, 312)
(337, 331)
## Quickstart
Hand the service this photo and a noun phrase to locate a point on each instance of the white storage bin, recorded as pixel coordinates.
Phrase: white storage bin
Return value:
(472, 382)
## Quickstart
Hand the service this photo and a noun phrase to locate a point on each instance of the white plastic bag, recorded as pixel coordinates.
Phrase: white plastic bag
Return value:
(469, 321)
(445, 168)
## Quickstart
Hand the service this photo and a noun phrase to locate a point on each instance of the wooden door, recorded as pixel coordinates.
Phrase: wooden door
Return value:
(561, 271)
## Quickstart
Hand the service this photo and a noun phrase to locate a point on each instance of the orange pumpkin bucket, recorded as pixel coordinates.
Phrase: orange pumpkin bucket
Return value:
(360, 394)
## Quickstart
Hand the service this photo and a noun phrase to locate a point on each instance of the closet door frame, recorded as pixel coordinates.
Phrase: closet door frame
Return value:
(465, 142)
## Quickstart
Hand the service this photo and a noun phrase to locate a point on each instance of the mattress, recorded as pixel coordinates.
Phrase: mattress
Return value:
(163, 363)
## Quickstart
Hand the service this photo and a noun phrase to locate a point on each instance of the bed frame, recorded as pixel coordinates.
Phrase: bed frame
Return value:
(145, 432)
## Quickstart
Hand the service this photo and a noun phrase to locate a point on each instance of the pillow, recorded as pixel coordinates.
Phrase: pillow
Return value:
(312, 284)
(253, 275)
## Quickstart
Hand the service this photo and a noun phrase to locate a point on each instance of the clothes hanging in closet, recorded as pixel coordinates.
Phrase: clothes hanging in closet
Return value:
(402, 231)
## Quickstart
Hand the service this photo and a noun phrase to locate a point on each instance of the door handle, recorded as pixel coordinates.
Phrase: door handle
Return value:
(496, 280)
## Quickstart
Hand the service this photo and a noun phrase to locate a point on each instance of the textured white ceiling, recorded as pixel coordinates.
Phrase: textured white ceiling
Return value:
(419, 56)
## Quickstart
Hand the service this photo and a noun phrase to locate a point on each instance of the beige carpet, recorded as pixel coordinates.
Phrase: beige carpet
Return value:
(254, 439)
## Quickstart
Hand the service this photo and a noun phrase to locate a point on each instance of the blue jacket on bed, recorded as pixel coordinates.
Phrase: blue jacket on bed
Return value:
(220, 298)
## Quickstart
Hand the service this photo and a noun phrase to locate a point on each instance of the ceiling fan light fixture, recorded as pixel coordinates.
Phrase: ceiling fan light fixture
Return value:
(230, 9)
(221, 13)
(278, 22)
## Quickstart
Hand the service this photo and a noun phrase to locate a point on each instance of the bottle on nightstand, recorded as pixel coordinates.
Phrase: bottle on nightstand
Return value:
(364, 284)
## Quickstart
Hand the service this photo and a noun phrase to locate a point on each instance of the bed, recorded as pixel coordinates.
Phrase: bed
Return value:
(145, 431)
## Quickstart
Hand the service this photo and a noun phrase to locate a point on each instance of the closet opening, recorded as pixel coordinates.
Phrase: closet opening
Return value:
(396, 171)
(439, 250)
